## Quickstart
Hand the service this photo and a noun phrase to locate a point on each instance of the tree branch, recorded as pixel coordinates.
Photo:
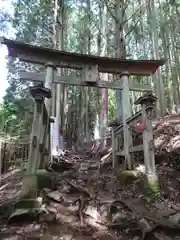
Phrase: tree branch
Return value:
(126, 4)
(132, 28)
(47, 28)
(139, 9)
(111, 13)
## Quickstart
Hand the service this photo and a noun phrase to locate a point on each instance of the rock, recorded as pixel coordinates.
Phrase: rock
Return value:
(44, 179)
(48, 217)
(104, 213)
(175, 218)
(163, 210)
(141, 168)
(46, 237)
(119, 217)
(51, 209)
(84, 167)
(63, 218)
(160, 205)
(136, 238)
(128, 176)
(162, 236)
(23, 215)
(12, 238)
(94, 166)
(144, 225)
(63, 187)
(92, 211)
(55, 195)
(26, 209)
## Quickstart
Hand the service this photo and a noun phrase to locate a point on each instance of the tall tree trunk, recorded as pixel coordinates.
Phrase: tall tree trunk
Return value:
(104, 99)
(97, 127)
(175, 76)
(158, 80)
(54, 40)
(59, 93)
(120, 51)
(87, 90)
(82, 104)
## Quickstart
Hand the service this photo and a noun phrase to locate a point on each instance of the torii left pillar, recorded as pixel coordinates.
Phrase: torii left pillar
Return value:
(127, 112)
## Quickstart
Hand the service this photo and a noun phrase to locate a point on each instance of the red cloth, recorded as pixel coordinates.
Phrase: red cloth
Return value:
(140, 126)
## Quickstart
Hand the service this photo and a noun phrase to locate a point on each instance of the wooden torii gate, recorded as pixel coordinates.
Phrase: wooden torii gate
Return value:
(90, 67)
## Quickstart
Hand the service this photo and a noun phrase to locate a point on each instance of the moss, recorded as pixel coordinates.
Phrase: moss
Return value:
(29, 203)
(22, 215)
(33, 184)
(152, 186)
(30, 187)
(127, 177)
(44, 179)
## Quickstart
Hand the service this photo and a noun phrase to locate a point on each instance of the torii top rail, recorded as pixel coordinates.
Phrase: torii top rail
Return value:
(41, 55)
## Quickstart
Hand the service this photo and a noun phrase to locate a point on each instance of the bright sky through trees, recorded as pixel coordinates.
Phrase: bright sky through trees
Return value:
(3, 71)
(5, 6)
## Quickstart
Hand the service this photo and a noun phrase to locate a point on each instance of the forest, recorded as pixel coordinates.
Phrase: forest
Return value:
(84, 194)
(141, 30)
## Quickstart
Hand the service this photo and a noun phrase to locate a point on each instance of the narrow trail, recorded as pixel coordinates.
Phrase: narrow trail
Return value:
(85, 200)
(88, 204)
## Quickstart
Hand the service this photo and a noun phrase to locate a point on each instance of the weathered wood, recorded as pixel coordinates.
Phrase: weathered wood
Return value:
(148, 99)
(126, 114)
(120, 153)
(136, 149)
(131, 150)
(148, 103)
(54, 95)
(40, 126)
(40, 55)
(91, 73)
(73, 80)
(46, 127)
(0, 161)
(114, 158)
(148, 144)
(118, 130)
(35, 138)
(42, 133)
(39, 92)
(130, 121)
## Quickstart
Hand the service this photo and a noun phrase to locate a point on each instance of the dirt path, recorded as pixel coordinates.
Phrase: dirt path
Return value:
(87, 204)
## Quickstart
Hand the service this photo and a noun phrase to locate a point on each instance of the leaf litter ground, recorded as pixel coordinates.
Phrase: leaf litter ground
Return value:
(88, 202)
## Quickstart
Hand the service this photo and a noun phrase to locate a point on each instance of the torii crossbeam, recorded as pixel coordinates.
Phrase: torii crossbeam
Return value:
(41, 55)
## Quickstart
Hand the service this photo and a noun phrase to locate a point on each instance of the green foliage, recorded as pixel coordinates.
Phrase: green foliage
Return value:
(111, 104)
(32, 21)
(21, 164)
(16, 113)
